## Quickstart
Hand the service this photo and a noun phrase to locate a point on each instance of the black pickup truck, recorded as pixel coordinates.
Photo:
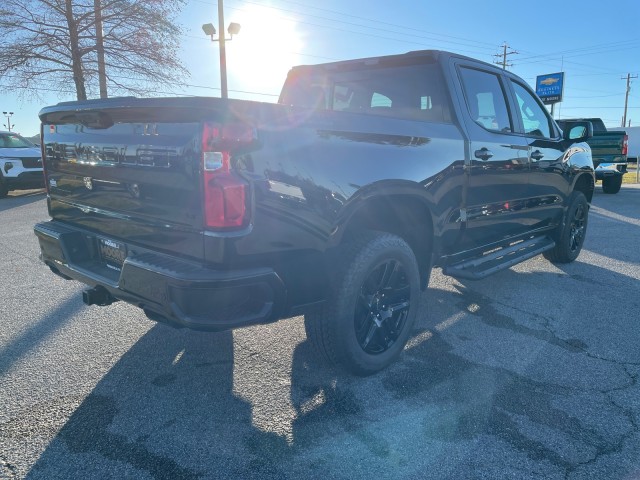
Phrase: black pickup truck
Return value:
(336, 202)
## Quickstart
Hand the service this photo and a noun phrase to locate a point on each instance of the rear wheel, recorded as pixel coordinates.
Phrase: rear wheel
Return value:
(612, 184)
(571, 234)
(371, 308)
(4, 190)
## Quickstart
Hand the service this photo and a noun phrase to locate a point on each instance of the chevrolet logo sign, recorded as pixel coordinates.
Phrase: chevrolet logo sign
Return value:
(549, 81)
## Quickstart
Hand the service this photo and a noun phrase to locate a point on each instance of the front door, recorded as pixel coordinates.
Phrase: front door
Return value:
(549, 181)
(499, 163)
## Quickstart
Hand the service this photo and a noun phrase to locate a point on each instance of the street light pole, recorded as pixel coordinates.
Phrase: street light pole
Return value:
(223, 53)
(210, 30)
(8, 124)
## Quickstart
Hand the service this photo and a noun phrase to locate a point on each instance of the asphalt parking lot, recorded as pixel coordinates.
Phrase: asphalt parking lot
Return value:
(531, 373)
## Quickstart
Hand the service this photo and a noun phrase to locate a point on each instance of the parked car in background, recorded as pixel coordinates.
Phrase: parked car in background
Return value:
(609, 151)
(20, 164)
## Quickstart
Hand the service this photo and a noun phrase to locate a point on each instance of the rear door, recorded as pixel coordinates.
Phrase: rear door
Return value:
(498, 165)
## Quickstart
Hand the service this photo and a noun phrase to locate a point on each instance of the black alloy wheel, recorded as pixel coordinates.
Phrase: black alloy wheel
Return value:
(382, 308)
(368, 316)
(578, 227)
(570, 235)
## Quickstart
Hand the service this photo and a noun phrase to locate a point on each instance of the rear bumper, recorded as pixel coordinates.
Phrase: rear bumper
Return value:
(604, 170)
(167, 288)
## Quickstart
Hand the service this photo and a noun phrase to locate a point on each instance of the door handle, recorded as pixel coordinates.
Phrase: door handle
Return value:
(537, 155)
(483, 154)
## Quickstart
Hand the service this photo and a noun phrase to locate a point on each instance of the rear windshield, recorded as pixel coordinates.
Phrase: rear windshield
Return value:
(413, 92)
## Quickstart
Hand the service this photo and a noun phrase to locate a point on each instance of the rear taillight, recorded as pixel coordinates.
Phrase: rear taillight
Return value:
(225, 192)
(625, 145)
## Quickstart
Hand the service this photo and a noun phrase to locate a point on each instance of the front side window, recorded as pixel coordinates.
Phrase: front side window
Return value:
(486, 100)
(534, 117)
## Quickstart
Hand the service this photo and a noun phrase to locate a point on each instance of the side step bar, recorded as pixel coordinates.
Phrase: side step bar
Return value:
(506, 257)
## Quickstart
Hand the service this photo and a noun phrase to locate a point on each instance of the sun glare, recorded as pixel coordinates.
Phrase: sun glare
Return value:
(265, 49)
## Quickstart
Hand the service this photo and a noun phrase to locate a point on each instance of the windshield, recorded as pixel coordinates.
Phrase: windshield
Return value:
(13, 140)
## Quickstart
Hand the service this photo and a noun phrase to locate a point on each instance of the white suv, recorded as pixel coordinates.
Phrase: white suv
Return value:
(20, 164)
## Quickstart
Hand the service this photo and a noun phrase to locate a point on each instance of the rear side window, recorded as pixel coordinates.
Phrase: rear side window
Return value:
(413, 92)
(485, 100)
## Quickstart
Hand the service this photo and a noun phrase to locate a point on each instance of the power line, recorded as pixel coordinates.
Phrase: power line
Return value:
(471, 42)
(626, 43)
(351, 31)
(432, 35)
(73, 92)
(582, 50)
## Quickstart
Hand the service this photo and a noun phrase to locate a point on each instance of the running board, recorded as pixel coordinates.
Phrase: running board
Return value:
(506, 257)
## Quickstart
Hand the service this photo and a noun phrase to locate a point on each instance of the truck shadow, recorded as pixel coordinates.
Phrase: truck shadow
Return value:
(21, 198)
(37, 333)
(166, 409)
(170, 408)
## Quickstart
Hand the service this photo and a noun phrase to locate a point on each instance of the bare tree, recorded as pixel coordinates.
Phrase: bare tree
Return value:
(131, 46)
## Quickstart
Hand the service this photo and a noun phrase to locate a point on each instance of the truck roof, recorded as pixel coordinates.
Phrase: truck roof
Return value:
(427, 55)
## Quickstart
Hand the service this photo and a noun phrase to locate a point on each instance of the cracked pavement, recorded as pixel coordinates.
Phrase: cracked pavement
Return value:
(531, 373)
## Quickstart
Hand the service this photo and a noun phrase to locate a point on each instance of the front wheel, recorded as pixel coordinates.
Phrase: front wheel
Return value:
(611, 184)
(571, 234)
(371, 308)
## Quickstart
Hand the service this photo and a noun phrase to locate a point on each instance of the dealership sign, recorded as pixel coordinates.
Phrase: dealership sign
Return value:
(549, 87)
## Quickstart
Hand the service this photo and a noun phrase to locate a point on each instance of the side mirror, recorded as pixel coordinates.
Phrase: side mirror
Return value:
(579, 131)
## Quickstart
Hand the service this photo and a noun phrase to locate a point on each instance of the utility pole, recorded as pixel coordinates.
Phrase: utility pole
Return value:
(504, 56)
(626, 98)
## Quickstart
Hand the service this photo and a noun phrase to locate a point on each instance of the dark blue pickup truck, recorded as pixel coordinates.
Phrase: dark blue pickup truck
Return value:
(336, 202)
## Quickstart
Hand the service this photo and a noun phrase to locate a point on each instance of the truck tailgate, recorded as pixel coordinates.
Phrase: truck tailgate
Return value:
(129, 171)
(606, 143)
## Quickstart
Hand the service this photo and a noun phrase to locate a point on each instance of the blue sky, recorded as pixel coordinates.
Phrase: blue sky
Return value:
(595, 44)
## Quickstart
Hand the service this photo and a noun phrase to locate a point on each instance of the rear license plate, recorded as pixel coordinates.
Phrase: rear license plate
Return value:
(112, 253)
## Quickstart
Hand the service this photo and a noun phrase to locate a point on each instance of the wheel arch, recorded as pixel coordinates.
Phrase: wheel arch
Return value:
(585, 183)
(404, 212)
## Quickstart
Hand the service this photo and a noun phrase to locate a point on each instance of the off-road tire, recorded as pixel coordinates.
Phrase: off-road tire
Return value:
(4, 190)
(611, 184)
(344, 330)
(571, 233)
